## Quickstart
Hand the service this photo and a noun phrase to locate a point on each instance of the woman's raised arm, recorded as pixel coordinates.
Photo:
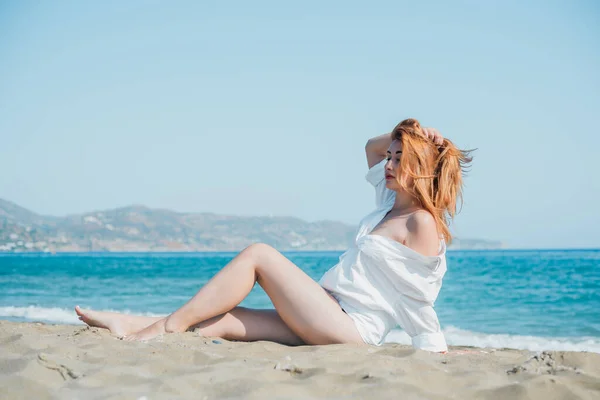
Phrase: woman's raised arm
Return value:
(376, 148)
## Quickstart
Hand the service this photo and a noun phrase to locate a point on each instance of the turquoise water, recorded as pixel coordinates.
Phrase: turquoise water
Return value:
(520, 299)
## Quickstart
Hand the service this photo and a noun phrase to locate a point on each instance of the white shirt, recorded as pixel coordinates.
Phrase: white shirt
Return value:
(381, 283)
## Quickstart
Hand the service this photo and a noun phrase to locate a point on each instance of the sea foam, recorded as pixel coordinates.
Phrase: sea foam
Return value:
(461, 337)
(52, 315)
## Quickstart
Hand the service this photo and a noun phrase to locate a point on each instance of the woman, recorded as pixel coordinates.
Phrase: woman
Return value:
(391, 275)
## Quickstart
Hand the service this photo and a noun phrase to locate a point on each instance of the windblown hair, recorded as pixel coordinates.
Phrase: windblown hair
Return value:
(431, 173)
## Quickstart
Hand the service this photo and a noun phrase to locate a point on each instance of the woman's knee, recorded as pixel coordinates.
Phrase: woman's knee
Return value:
(257, 251)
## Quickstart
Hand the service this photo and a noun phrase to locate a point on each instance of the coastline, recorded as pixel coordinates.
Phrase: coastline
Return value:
(450, 249)
(72, 361)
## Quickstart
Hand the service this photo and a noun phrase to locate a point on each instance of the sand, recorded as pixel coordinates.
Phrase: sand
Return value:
(40, 361)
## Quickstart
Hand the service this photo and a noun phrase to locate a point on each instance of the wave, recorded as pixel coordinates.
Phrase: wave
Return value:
(455, 336)
(53, 315)
(461, 337)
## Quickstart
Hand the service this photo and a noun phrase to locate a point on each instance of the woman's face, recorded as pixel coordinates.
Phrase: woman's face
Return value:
(392, 166)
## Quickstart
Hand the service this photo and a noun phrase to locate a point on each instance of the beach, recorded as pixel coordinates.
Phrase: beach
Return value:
(44, 361)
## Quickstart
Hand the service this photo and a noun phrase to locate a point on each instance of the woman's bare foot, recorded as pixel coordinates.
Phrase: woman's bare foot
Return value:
(152, 331)
(118, 324)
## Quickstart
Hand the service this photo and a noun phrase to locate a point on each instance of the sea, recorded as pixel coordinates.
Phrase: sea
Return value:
(527, 299)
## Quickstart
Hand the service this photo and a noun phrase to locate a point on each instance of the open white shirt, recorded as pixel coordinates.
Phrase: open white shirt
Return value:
(381, 283)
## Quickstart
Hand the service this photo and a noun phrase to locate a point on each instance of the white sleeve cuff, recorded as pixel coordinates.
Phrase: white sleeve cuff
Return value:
(430, 342)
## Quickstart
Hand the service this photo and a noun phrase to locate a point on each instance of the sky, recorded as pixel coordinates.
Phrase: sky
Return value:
(264, 108)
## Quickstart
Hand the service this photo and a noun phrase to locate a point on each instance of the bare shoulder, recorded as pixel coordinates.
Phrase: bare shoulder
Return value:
(421, 221)
(422, 235)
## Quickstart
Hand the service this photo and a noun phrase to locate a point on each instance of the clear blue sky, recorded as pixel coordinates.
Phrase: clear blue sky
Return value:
(263, 108)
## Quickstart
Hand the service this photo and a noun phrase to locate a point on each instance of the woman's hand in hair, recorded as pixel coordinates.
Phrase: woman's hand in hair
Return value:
(434, 135)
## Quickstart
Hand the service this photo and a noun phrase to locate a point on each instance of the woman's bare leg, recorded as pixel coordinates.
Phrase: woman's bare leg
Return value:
(249, 325)
(303, 305)
(241, 323)
(117, 323)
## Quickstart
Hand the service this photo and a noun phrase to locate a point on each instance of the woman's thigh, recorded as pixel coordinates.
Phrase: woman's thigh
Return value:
(248, 325)
(305, 307)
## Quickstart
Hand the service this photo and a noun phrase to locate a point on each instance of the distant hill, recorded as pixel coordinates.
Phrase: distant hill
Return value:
(138, 228)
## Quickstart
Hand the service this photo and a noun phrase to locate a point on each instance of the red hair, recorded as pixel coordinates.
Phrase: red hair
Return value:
(431, 173)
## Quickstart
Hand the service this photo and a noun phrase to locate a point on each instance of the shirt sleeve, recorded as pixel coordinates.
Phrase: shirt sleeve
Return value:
(421, 323)
(376, 177)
